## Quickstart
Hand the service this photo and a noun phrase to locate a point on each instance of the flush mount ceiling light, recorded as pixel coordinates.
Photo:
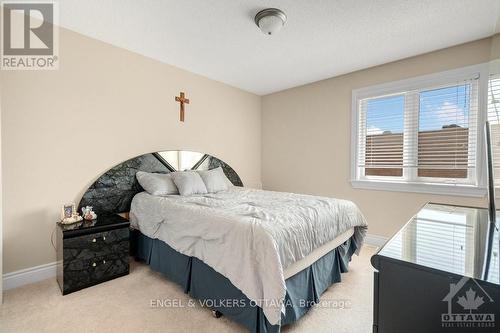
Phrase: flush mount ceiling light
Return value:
(270, 20)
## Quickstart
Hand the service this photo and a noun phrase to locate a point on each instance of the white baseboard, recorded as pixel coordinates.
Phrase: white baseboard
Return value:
(375, 240)
(29, 275)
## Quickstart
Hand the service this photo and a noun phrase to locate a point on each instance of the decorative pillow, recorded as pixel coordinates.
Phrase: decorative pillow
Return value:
(157, 183)
(189, 182)
(215, 180)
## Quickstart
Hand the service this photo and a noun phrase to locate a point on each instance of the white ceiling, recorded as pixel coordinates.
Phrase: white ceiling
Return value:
(321, 39)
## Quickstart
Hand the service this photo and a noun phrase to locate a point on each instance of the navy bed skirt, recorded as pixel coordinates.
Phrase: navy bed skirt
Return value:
(202, 282)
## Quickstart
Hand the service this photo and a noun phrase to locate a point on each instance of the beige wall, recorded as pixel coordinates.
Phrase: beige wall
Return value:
(306, 135)
(495, 47)
(62, 129)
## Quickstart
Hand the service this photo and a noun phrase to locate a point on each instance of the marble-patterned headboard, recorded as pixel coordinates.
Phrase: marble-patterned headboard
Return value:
(113, 191)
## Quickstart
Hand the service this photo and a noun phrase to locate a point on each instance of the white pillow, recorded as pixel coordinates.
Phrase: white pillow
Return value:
(189, 182)
(215, 180)
(157, 183)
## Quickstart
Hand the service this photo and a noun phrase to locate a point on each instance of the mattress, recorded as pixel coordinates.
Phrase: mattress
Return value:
(317, 254)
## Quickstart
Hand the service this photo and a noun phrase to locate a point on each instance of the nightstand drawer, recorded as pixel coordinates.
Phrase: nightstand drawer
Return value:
(82, 273)
(91, 255)
(98, 245)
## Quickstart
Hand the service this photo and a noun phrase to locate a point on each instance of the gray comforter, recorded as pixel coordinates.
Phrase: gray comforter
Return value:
(249, 236)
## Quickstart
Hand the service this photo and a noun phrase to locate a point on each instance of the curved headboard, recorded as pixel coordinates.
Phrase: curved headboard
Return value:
(113, 191)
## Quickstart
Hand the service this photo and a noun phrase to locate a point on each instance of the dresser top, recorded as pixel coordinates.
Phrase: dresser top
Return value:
(453, 239)
(102, 223)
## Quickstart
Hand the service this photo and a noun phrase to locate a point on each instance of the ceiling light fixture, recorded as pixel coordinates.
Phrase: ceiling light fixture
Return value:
(270, 20)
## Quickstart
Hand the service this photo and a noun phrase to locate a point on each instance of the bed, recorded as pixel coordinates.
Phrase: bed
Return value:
(260, 258)
(255, 239)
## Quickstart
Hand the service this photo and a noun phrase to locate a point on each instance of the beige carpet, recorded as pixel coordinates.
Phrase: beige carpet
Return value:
(124, 305)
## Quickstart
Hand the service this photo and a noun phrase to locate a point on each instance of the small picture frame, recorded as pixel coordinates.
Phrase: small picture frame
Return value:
(68, 210)
(69, 214)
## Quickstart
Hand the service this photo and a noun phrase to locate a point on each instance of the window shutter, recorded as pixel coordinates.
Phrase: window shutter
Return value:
(447, 131)
(381, 140)
(494, 119)
(425, 134)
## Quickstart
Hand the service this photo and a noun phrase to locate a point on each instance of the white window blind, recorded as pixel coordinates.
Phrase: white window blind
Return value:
(494, 119)
(426, 134)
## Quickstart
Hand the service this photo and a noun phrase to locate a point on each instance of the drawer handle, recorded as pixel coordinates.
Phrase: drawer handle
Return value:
(94, 264)
(94, 240)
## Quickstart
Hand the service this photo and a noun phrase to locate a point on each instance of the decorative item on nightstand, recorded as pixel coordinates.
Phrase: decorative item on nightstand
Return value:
(88, 214)
(92, 252)
(69, 214)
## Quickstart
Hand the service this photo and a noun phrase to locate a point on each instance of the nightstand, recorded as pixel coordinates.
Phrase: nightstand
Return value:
(91, 252)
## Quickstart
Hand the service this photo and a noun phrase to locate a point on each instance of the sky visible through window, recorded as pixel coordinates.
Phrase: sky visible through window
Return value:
(438, 107)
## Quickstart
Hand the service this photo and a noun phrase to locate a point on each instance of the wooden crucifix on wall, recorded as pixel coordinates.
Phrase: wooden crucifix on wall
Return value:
(183, 101)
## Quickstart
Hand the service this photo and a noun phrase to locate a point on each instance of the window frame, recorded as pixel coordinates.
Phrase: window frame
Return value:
(494, 75)
(412, 183)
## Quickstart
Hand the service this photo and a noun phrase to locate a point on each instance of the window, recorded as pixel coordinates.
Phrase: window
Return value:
(443, 133)
(494, 119)
(420, 134)
(384, 136)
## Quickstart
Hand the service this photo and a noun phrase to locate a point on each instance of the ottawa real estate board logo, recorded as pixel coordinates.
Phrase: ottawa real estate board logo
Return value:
(469, 306)
(30, 37)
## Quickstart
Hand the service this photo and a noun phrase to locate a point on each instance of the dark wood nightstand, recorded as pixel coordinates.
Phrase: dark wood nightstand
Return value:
(91, 252)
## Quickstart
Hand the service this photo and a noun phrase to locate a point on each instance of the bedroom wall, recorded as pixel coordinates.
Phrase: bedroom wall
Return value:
(61, 129)
(495, 47)
(306, 136)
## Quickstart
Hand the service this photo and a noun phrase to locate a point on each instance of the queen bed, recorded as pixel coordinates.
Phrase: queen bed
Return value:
(260, 258)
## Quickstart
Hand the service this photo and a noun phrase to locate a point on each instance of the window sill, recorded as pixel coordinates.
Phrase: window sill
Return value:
(429, 188)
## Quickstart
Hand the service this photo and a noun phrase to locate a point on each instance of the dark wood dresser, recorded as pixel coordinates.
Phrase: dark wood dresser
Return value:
(439, 273)
(91, 252)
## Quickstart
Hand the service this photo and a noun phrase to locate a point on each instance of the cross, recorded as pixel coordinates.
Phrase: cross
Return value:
(182, 100)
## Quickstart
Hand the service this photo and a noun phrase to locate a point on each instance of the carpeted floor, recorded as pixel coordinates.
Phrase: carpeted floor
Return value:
(124, 305)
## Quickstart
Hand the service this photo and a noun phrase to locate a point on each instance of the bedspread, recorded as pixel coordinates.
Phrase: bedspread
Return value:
(249, 236)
